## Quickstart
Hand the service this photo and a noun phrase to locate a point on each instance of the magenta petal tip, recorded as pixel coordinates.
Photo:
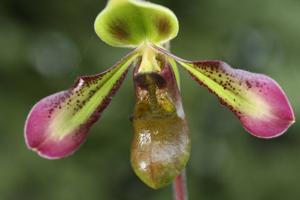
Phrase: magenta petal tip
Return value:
(39, 135)
(279, 114)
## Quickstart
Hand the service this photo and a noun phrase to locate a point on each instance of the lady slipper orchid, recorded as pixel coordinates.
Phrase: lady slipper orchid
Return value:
(58, 124)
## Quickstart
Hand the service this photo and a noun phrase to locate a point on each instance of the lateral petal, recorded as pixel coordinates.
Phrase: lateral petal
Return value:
(256, 99)
(58, 124)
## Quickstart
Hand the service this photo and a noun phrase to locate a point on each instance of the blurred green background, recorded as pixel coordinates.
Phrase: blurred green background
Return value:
(45, 45)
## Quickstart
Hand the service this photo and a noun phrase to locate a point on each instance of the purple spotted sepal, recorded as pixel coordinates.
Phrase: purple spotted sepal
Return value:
(58, 124)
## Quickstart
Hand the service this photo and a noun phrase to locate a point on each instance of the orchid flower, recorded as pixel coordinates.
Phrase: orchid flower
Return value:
(58, 124)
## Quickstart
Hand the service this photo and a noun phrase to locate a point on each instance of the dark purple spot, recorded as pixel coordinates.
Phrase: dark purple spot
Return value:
(119, 30)
(249, 85)
(163, 26)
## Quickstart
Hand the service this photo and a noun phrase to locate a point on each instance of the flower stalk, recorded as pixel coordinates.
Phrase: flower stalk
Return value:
(180, 191)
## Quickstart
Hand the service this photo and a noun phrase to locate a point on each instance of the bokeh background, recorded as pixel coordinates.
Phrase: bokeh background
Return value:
(45, 45)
